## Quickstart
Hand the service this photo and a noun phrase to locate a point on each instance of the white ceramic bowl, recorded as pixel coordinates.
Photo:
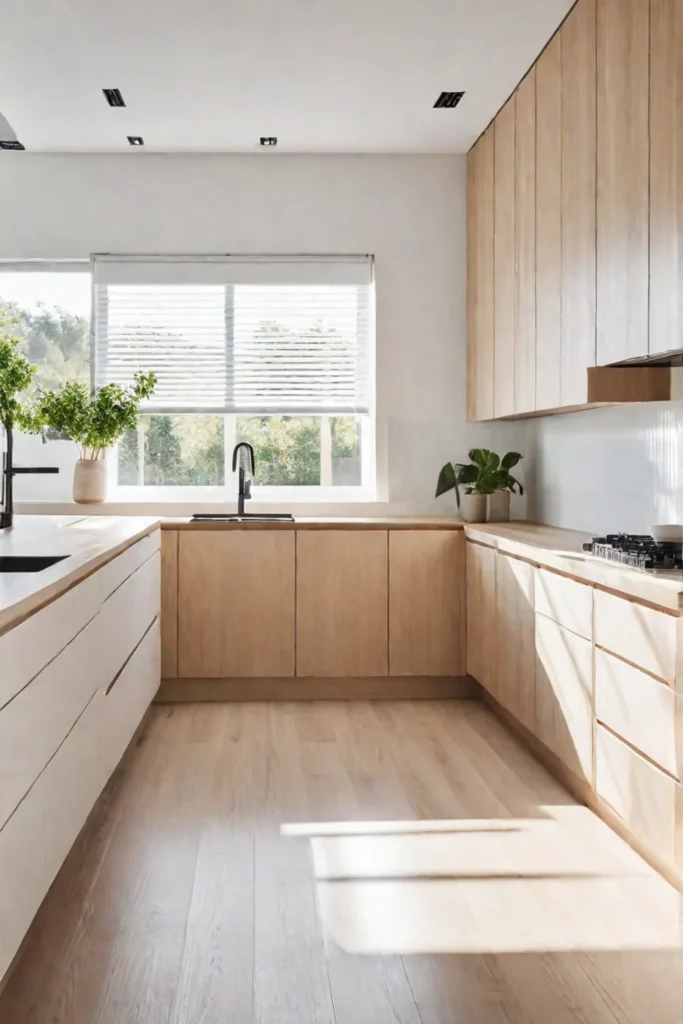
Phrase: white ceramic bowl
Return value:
(672, 532)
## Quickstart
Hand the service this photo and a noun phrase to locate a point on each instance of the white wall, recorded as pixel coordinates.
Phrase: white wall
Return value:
(608, 470)
(407, 211)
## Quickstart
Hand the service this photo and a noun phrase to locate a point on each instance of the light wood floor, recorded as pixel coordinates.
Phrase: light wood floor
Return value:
(345, 864)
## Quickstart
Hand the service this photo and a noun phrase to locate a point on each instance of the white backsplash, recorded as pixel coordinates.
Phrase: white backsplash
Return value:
(607, 470)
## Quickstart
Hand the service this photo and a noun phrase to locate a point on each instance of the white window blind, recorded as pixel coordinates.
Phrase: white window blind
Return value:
(250, 335)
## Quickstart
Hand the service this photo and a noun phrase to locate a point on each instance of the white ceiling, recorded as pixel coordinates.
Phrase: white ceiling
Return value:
(214, 75)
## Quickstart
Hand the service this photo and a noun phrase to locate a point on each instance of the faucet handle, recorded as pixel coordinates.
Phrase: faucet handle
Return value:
(247, 488)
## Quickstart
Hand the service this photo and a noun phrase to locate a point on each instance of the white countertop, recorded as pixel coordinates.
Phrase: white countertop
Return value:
(89, 542)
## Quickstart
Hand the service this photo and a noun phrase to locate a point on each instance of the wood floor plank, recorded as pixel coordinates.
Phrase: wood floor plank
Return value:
(351, 863)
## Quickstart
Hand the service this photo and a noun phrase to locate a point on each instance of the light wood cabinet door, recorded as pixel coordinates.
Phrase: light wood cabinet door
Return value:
(481, 612)
(480, 278)
(426, 603)
(235, 603)
(342, 603)
(514, 656)
(623, 180)
(549, 224)
(578, 201)
(169, 604)
(504, 261)
(563, 708)
(666, 175)
(525, 245)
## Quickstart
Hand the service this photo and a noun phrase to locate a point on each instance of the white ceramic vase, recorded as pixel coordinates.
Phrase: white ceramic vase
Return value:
(90, 481)
(473, 508)
(499, 507)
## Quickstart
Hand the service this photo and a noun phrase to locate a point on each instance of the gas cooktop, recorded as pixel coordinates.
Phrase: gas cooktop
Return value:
(638, 551)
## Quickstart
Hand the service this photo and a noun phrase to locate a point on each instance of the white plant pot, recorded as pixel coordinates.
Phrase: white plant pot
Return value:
(90, 481)
(499, 507)
(473, 508)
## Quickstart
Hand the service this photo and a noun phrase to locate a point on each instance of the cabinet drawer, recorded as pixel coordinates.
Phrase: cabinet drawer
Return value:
(565, 601)
(28, 647)
(563, 705)
(643, 796)
(126, 615)
(637, 707)
(33, 725)
(37, 838)
(645, 636)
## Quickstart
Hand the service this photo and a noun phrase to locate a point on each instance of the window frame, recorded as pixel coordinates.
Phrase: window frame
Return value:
(373, 486)
(365, 491)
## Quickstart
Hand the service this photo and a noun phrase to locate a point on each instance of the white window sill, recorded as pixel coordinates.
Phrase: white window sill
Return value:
(188, 507)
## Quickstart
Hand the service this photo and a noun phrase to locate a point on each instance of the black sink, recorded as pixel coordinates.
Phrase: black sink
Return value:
(28, 563)
(247, 517)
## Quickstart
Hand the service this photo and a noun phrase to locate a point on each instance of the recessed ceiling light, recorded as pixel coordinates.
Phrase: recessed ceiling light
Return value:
(136, 140)
(449, 99)
(268, 140)
(11, 144)
(114, 97)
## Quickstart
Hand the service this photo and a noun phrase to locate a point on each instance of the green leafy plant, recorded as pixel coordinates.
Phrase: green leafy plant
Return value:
(16, 376)
(485, 473)
(95, 419)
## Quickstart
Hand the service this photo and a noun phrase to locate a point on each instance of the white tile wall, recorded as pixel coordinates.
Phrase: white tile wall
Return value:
(607, 469)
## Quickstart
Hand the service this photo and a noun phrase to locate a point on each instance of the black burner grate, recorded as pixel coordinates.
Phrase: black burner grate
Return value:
(637, 551)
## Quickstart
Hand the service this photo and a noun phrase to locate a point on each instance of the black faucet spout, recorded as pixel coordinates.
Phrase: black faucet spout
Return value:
(244, 489)
(9, 471)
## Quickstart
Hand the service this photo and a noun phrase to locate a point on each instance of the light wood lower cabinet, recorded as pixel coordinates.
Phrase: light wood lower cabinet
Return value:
(481, 612)
(645, 798)
(426, 603)
(342, 603)
(514, 655)
(235, 603)
(169, 604)
(564, 695)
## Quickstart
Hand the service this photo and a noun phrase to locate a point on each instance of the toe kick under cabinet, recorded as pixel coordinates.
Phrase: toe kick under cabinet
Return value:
(593, 680)
(344, 611)
(76, 678)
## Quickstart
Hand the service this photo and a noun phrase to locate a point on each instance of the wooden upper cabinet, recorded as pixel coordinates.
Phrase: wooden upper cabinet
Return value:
(666, 175)
(525, 245)
(480, 279)
(549, 224)
(578, 189)
(504, 260)
(342, 603)
(235, 603)
(426, 603)
(623, 179)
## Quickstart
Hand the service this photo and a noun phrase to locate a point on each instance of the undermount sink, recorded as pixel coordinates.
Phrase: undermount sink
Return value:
(248, 517)
(28, 563)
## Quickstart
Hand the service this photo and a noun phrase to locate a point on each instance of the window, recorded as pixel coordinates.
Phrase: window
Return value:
(277, 352)
(50, 307)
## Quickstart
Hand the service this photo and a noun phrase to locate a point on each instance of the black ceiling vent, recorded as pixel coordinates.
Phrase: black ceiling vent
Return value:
(11, 144)
(268, 140)
(135, 140)
(449, 99)
(114, 97)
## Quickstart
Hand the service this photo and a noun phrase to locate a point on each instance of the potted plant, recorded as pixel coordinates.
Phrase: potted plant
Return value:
(499, 500)
(485, 475)
(95, 420)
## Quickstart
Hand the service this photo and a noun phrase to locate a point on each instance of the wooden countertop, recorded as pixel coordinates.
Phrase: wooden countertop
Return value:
(89, 541)
(326, 523)
(562, 550)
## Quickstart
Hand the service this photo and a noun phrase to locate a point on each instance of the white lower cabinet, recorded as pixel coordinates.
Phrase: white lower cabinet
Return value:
(64, 732)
